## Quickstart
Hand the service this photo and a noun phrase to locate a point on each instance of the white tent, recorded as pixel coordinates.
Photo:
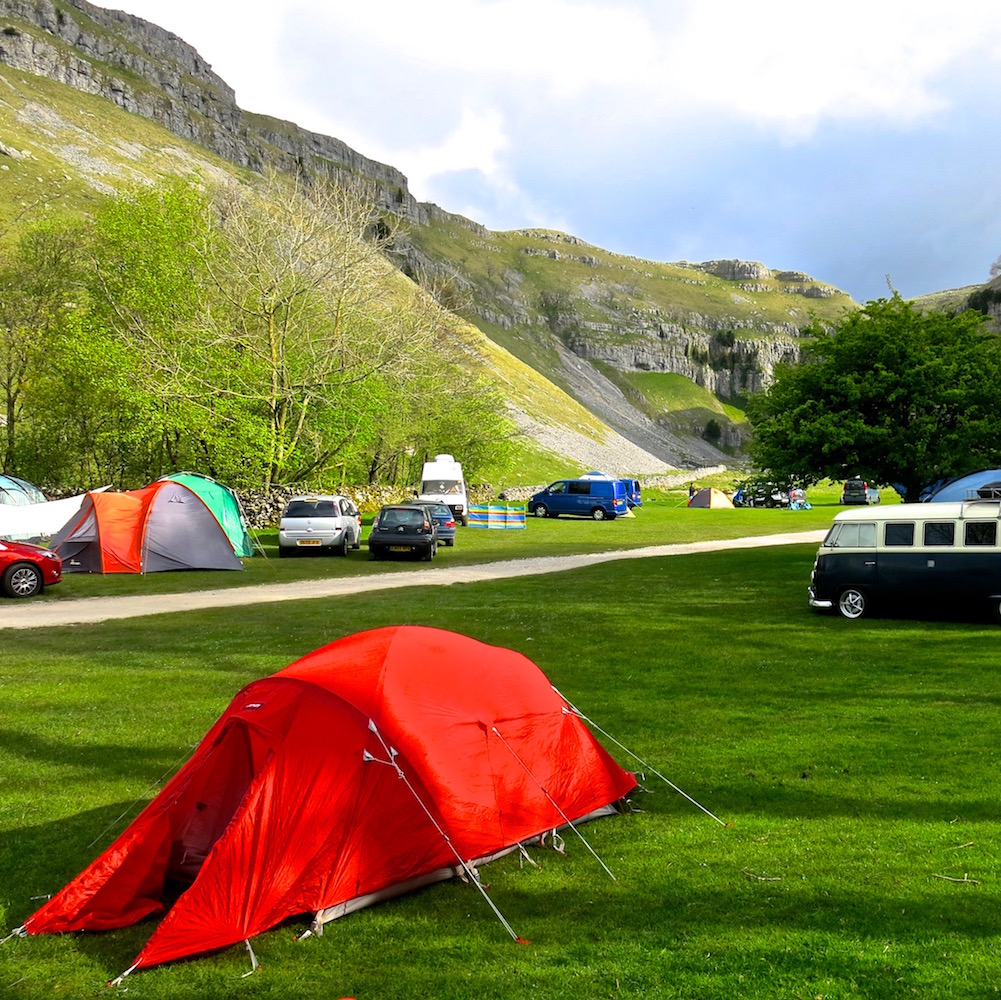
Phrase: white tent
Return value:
(37, 520)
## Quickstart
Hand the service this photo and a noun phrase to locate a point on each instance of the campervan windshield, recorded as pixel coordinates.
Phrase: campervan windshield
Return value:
(443, 486)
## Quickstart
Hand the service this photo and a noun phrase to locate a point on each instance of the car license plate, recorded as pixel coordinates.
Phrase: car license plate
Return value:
(309, 541)
(399, 548)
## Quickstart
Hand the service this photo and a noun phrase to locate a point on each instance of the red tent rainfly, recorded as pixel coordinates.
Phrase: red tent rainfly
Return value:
(293, 803)
(164, 526)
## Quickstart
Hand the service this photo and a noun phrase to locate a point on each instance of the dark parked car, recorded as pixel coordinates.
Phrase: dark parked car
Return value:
(857, 492)
(760, 493)
(403, 529)
(444, 519)
(25, 570)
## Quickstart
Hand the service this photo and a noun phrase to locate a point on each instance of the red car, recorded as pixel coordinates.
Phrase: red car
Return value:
(26, 569)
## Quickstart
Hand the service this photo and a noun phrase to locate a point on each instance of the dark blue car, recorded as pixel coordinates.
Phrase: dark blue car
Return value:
(442, 515)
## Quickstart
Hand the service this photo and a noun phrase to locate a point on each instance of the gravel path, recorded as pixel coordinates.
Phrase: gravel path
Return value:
(41, 614)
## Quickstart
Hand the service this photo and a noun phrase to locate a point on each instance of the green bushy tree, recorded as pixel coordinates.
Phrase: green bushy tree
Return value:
(893, 394)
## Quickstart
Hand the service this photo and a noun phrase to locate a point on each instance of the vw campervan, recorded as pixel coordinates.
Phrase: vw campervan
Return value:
(910, 555)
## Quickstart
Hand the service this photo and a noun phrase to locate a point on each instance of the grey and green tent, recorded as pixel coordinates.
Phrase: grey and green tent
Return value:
(223, 503)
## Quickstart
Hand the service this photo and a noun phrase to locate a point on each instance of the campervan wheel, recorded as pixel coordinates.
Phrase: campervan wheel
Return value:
(852, 603)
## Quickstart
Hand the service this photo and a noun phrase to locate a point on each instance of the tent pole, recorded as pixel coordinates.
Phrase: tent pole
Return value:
(554, 803)
(473, 877)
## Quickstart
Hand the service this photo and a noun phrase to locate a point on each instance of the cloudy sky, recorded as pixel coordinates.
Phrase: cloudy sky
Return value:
(856, 141)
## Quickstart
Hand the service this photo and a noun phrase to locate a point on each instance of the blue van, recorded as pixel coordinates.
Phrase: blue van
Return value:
(633, 495)
(600, 499)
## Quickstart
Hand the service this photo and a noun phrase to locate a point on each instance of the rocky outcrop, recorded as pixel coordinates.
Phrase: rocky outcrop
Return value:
(151, 72)
(735, 270)
(727, 367)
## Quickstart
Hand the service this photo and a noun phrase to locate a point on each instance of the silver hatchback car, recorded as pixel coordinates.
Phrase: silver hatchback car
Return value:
(321, 524)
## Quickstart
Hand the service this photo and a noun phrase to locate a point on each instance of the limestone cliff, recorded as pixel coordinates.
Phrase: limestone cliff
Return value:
(151, 72)
(593, 322)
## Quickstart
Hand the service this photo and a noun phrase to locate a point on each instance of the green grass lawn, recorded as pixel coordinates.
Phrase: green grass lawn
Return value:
(854, 760)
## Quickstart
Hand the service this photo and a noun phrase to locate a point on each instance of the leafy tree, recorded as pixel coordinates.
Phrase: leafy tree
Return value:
(893, 394)
(148, 287)
(258, 334)
(38, 281)
(441, 405)
(305, 305)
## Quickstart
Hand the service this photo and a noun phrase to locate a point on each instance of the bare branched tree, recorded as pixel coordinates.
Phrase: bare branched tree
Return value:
(307, 305)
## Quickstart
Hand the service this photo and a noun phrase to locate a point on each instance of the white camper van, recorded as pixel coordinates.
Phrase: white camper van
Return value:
(442, 481)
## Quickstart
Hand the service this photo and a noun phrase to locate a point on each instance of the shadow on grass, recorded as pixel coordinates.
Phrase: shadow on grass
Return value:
(578, 919)
(120, 761)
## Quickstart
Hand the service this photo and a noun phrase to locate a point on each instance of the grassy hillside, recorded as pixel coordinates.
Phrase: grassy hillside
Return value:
(566, 307)
(67, 151)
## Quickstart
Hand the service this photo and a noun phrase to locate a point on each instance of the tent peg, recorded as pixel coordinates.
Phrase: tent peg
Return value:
(254, 964)
(117, 981)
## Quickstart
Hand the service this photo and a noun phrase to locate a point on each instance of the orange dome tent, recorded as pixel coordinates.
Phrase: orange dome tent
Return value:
(383, 761)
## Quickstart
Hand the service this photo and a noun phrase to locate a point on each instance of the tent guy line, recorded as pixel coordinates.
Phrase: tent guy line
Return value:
(89, 610)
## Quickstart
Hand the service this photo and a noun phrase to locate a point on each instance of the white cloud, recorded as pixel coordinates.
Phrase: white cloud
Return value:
(795, 64)
(527, 112)
(561, 46)
(474, 144)
(786, 64)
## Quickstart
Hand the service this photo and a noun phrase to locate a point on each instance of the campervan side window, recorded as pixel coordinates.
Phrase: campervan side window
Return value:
(860, 535)
(899, 533)
(580, 487)
(981, 532)
(940, 533)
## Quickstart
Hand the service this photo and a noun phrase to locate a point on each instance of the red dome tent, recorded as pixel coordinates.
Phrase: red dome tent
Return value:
(164, 526)
(293, 802)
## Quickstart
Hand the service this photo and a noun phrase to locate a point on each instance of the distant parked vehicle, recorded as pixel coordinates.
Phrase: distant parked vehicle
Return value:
(403, 529)
(760, 493)
(857, 492)
(442, 482)
(634, 497)
(600, 499)
(25, 570)
(444, 519)
(322, 524)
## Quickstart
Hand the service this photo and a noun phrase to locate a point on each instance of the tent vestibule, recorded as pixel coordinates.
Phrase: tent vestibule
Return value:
(224, 504)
